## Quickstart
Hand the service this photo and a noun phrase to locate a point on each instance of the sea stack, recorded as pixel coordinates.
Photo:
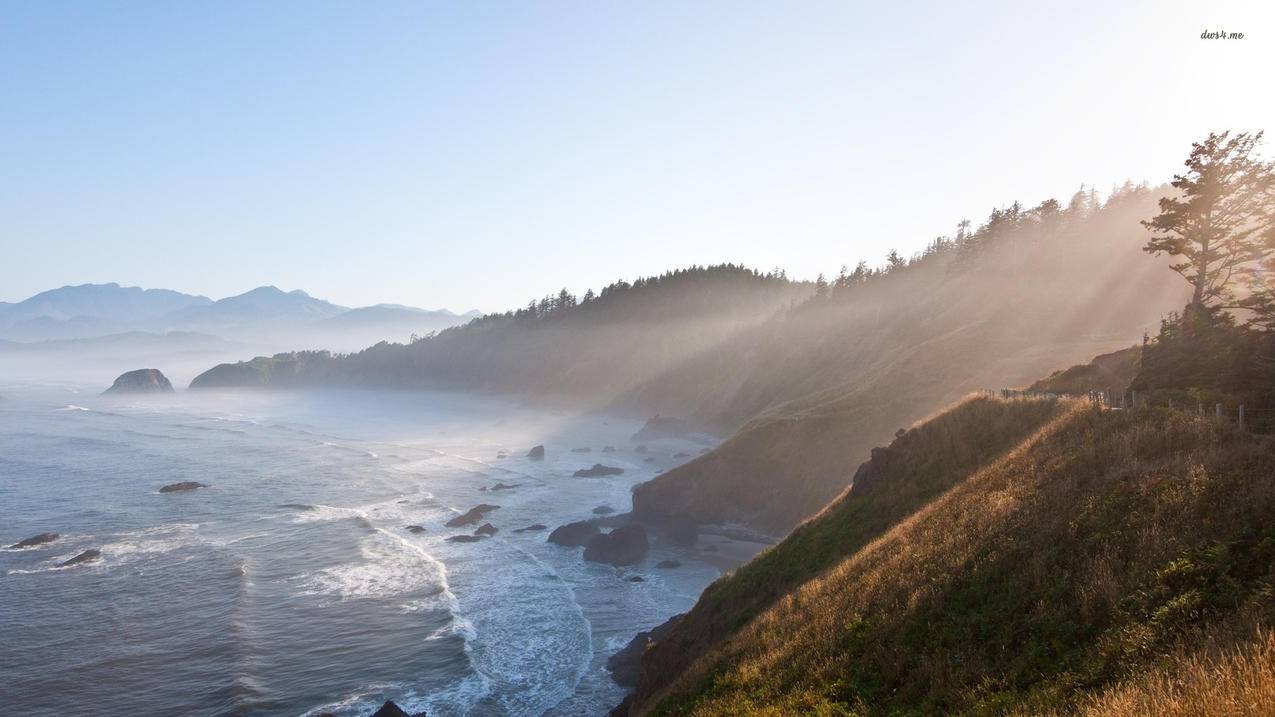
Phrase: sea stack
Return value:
(143, 380)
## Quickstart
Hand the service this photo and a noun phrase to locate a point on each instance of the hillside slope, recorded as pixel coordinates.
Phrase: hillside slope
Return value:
(842, 374)
(1074, 548)
(585, 352)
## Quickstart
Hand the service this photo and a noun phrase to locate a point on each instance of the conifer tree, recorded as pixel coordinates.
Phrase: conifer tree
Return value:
(1219, 225)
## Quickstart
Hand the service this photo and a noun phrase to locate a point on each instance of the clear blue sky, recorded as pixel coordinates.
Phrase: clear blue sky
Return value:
(472, 154)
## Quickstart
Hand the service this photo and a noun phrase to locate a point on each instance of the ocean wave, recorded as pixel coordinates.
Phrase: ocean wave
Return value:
(350, 449)
(391, 566)
(73, 407)
(150, 541)
(358, 698)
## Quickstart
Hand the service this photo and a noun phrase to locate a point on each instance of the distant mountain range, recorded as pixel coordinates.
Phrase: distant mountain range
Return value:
(96, 310)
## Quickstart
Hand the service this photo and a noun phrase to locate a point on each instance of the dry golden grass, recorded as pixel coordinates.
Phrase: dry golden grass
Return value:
(1055, 571)
(1238, 681)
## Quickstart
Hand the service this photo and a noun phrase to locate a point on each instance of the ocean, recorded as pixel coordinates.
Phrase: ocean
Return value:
(291, 584)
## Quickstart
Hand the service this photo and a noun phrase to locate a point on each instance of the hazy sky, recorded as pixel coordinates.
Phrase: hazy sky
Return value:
(474, 155)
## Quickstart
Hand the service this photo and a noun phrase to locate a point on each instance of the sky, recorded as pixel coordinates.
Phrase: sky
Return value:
(479, 154)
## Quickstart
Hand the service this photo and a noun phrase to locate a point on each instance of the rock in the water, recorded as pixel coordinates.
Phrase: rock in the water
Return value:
(573, 535)
(34, 540)
(668, 564)
(415, 529)
(182, 486)
(598, 470)
(537, 452)
(472, 516)
(464, 538)
(501, 455)
(681, 454)
(486, 529)
(87, 556)
(641, 449)
(389, 709)
(625, 665)
(637, 579)
(650, 459)
(581, 450)
(143, 380)
(623, 546)
(603, 510)
(532, 528)
(504, 486)
(608, 449)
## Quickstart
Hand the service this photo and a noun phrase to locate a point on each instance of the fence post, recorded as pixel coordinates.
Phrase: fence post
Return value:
(1133, 401)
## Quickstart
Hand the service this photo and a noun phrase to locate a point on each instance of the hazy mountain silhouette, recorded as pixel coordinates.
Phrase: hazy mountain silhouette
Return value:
(265, 313)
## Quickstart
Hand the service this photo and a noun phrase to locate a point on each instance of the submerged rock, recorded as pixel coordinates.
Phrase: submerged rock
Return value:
(87, 556)
(182, 487)
(626, 664)
(34, 540)
(486, 529)
(504, 486)
(681, 454)
(636, 579)
(573, 535)
(608, 449)
(598, 470)
(532, 528)
(473, 515)
(623, 546)
(668, 564)
(537, 452)
(581, 450)
(603, 510)
(143, 380)
(465, 538)
(415, 529)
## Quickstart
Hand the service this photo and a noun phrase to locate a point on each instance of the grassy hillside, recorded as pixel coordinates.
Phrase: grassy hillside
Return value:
(1111, 373)
(1007, 556)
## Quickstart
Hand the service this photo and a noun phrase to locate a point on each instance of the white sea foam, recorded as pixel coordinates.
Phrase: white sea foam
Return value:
(390, 566)
(150, 541)
(324, 513)
(353, 699)
(73, 407)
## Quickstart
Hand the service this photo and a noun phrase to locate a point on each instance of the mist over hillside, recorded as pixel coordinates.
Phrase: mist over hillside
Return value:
(1023, 295)
(581, 350)
(809, 376)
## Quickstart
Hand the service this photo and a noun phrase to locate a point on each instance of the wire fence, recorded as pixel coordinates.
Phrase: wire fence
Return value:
(1248, 418)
